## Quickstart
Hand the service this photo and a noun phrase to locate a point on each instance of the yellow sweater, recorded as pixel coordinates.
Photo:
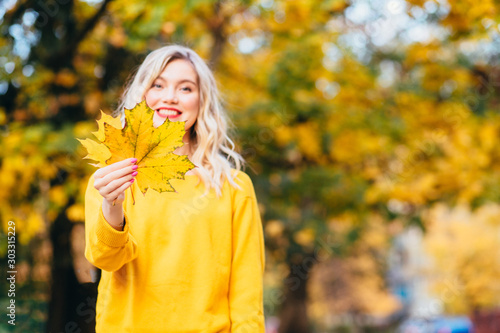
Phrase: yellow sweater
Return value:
(184, 262)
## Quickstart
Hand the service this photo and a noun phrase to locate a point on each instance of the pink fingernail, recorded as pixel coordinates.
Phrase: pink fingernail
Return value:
(133, 160)
(132, 180)
(134, 173)
(135, 167)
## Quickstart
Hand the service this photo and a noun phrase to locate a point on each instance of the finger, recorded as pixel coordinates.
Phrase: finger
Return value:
(113, 167)
(115, 184)
(115, 194)
(127, 170)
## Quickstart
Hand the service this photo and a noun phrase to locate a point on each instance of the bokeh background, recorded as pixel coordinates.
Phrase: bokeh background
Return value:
(371, 134)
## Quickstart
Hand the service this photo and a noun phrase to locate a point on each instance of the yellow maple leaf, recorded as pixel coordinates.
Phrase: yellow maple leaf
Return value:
(106, 118)
(153, 147)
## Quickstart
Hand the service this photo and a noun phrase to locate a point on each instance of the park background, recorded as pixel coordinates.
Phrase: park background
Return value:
(370, 129)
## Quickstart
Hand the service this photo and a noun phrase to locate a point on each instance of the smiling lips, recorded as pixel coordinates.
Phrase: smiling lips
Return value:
(169, 113)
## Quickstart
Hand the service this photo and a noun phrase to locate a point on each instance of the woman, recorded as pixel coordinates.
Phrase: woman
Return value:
(184, 261)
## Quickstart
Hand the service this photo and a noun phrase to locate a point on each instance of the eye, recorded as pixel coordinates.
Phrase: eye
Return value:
(156, 85)
(186, 89)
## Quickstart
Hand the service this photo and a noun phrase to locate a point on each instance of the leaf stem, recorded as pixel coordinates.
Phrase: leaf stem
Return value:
(132, 192)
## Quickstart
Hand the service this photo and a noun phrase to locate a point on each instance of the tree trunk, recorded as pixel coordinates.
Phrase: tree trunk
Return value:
(217, 25)
(72, 305)
(293, 314)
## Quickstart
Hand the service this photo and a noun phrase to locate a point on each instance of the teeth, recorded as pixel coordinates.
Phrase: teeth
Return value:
(164, 112)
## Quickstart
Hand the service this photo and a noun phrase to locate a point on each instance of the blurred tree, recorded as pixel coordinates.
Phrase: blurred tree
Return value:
(348, 112)
(360, 114)
(44, 112)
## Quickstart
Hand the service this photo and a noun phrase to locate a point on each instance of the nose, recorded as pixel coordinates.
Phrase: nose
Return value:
(170, 96)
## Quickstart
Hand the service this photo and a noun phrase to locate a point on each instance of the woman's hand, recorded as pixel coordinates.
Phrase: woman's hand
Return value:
(111, 181)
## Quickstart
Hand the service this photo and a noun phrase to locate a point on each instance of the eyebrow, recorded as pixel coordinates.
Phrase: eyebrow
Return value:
(181, 81)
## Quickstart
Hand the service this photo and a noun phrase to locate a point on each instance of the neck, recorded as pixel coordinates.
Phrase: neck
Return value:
(186, 148)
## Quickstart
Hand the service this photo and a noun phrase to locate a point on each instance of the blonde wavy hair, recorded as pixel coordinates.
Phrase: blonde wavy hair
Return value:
(211, 148)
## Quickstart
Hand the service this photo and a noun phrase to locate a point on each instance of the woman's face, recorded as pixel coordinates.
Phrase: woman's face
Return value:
(175, 94)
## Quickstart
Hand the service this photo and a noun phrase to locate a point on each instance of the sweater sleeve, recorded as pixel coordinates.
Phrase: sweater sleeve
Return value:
(248, 262)
(105, 247)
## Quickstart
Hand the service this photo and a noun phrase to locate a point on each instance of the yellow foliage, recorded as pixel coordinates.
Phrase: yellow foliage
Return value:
(417, 2)
(305, 237)
(342, 223)
(58, 196)
(33, 225)
(423, 53)
(376, 235)
(76, 213)
(352, 146)
(488, 136)
(308, 140)
(467, 15)
(283, 135)
(93, 101)
(465, 245)
(378, 191)
(305, 135)
(3, 117)
(83, 128)
(274, 228)
(117, 37)
(66, 78)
